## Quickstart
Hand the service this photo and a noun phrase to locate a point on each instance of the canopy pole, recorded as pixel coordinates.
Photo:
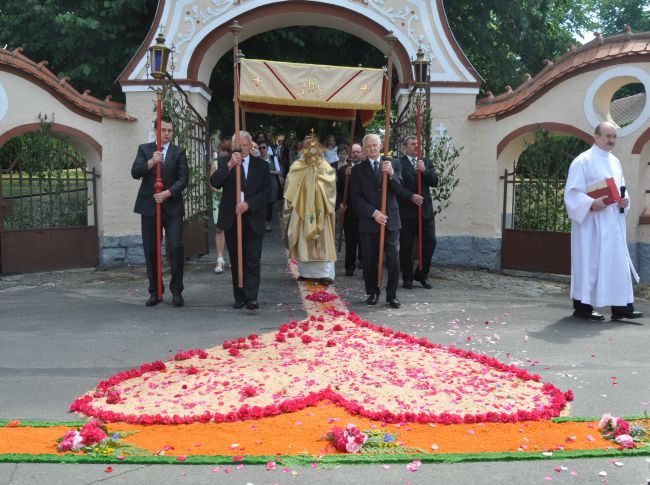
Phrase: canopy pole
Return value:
(235, 28)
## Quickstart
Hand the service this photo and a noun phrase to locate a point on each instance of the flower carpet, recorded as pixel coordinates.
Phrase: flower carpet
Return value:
(329, 389)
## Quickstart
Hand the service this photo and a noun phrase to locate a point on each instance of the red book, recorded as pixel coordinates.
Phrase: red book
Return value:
(604, 187)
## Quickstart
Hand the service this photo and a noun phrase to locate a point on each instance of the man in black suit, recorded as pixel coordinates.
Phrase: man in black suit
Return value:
(409, 201)
(255, 195)
(365, 196)
(175, 175)
(350, 218)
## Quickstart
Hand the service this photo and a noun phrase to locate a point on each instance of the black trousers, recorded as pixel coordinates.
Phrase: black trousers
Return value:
(407, 238)
(370, 243)
(252, 254)
(173, 226)
(352, 246)
(583, 307)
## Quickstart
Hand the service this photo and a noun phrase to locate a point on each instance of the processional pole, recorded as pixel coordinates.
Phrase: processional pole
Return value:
(390, 38)
(346, 185)
(421, 66)
(157, 57)
(235, 28)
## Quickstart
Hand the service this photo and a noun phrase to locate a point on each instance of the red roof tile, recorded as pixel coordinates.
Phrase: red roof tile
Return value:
(82, 103)
(626, 47)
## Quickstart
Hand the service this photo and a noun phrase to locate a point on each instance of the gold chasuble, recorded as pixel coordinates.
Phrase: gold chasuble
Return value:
(309, 213)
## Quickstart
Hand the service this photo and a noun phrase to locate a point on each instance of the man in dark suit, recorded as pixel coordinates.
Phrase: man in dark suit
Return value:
(350, 218)
(409, 201)
(255, 195)
(175, 175)
(365, 196)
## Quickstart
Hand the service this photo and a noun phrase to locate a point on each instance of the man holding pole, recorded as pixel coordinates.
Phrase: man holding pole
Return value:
(350, 225)
(409, 201)
(365, 197)
(254, 197)
(175, 175)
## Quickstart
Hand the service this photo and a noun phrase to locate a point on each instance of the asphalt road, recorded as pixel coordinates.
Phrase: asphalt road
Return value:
(62, 332)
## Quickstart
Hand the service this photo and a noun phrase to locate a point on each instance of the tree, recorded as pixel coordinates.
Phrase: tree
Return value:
(505, 40)
(89, 40)
(614, 14)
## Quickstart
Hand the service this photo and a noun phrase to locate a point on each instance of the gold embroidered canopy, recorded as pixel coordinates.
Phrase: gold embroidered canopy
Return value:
(313, 90)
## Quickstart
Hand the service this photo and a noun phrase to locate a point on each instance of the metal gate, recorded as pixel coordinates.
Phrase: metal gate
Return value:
(191, 132)
(48, 221)
(536, 230)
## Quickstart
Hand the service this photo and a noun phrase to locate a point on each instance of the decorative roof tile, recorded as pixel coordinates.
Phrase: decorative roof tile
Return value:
(82, 103)
(625, 47)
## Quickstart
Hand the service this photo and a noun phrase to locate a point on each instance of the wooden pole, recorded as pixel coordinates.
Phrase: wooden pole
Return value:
(158, 186)
(419, 175)
(390, 38)
(235, 28)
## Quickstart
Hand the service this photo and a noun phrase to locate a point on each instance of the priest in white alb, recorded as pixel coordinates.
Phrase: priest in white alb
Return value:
(601, 268)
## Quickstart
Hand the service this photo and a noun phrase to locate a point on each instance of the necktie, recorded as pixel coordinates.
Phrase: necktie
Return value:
(414, 162)
(376, 168)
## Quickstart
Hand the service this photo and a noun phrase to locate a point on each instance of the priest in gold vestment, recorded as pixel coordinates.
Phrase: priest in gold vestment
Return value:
(309, 213)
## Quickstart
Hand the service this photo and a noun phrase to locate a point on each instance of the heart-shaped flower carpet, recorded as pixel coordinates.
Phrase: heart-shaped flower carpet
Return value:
(333, 355)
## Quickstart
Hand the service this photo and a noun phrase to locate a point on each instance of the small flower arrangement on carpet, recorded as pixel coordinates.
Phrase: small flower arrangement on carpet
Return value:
(93, 439)
(622, 432)
(353, 440)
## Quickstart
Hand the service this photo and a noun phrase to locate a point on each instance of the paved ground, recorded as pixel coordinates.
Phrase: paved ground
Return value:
(63, 332)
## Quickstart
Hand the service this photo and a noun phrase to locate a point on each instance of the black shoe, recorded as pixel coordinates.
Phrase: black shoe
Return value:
(426, 283)
(252, 305)
(360, 265)
(153, 300)
(178, 301)
(301, 278)
(594, 315)
(372, 299)
(349, 272)
(393, 302)
(629, 315)
(326, 281)
(408, 285)
(238, 304)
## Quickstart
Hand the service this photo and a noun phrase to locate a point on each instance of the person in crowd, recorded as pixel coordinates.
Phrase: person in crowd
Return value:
(251, 205)
(350, 218)
(309, 213)
(601, 268)
(330, 152)
(277, 181)
(223, 150)
(365, 197)
(409, 202)
(175, 175)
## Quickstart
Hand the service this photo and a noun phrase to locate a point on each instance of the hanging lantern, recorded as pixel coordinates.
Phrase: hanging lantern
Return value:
(421, 70)
(159, 55)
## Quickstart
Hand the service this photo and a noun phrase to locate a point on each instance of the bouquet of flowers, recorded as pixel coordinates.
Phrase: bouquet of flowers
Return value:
(93, 438)
(621, 431)
(352, 440)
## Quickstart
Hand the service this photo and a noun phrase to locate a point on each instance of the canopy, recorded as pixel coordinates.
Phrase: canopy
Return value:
(317, 91)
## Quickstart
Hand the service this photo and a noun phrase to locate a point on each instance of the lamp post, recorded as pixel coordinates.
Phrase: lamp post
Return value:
(158, 58)
(421, 76)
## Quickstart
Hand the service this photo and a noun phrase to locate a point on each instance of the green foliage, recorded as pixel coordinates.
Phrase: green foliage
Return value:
(614, 14)
(89, 40)
(540, 176)
(505, 40)
(444, 156)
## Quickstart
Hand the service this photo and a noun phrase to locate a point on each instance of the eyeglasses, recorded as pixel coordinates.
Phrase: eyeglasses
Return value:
(263, 147)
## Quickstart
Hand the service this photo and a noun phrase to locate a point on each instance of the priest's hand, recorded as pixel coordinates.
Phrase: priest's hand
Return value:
(241, 208)
(417, 199)
(624, 202)
(235, 159)
(380, 218)
(599, 204)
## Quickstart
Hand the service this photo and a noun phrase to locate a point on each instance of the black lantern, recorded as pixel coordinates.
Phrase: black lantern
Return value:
(421, 68)
(159, 55)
